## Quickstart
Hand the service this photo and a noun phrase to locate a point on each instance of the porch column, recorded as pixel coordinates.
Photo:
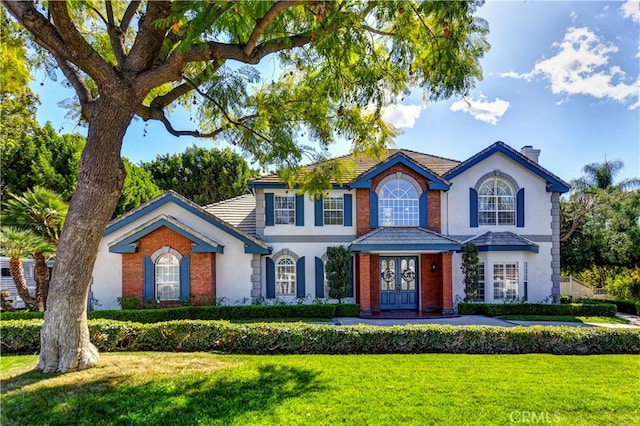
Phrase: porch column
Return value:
(447, 283)
(364, 282)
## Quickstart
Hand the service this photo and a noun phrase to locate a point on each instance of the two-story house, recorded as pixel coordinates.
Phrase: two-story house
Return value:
(404, 219)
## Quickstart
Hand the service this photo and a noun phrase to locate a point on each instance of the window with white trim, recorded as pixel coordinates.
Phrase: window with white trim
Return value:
(496, 202)
(398, 204)
(333, 210)
(167, 277)
(284, 209)
(505, 280)
(481, 283)
(285, 276)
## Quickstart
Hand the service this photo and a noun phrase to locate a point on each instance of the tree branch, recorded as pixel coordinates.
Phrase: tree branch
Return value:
(81, 52)
(128, 15)
(149, 39)
(263, 23)
(379, 32)
(75, 79)
(115, 35)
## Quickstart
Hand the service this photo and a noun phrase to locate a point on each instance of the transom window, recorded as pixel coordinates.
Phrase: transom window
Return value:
(286, 276)
(167, 277)
(333, 209)
(285, 209)
(398, 204)
(505, 280)
(496, 203)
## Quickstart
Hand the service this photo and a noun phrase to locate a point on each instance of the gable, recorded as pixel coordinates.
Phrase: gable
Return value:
(152, 209)
(435, 182)
(554, 183)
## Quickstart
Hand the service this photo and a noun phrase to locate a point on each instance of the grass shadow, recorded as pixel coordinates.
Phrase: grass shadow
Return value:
(181, 399)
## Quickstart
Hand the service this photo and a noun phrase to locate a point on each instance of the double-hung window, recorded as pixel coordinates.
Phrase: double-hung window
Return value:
(333, 210)
(481, 283)
(285, 209)
(505, 280)
(167, 277)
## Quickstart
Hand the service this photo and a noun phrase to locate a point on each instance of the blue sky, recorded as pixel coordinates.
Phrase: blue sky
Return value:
(561, 76)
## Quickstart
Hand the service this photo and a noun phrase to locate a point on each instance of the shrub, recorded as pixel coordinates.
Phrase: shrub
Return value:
(574, 309)
(627, 306)
(288, 338)
(565, 299)
(211, 313)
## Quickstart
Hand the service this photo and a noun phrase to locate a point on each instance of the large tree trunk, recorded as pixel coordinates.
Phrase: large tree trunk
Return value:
(17, 273)
(41, 276)
(64, 339)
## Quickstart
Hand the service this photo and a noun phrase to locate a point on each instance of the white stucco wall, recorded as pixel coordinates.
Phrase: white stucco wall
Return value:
(233, 266)
(537, 201)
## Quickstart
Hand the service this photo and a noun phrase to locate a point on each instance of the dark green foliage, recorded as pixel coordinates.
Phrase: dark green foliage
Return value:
(470, 271)
(627, 306)
(210, 313)
(566, 299)
(574, 309)
(281, 338)
(338, 272)
(202, 175)
(138, 188)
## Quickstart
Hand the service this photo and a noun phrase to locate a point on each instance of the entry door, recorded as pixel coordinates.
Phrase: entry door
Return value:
(398, 282)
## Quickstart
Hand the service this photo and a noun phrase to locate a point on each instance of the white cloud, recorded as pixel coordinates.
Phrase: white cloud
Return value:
(481, 109)
(631, 10)
(573, 15)
(401, 116)
(582, 67)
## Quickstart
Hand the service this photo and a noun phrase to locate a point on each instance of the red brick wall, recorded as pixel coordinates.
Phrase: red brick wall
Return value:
(447, 282)
(431, 282)
(375, 282)
(404, 170)
(364, 285)
(202, 265)
(433, 201)
(362, 212)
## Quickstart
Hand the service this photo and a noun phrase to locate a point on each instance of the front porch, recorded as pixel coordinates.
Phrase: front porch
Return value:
(404, 269)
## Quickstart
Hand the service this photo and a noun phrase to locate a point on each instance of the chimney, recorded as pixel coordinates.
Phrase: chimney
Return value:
(530, 153)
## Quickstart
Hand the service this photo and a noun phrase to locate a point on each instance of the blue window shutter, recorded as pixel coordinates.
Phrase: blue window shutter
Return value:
(473, 208)
(373, 209)
(185, 279)
(520, 209)
(348, 210)
(350, 291)
(149, 279)
(318, 211)
(423, 209)
(268, 209)
(271, 278)
(300, 210)
(319, 278)
(300, 284)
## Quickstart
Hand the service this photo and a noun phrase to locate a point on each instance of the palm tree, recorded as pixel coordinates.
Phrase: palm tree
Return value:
(602, 175)
(18, 244)
(43, 212)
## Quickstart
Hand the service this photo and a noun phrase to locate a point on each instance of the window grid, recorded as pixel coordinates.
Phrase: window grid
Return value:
(285, 209)
(167, 277)
(496, 203)
(398, 204)
(333, 210)
(505, 280)
(286, 277)
(481, 283)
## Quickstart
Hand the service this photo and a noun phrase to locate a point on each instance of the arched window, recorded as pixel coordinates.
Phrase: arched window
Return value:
(167, 277)
(286, 276)
(398, 204)
(496, 202)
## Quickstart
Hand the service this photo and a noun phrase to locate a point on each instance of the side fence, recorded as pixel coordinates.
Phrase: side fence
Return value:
(576, 288)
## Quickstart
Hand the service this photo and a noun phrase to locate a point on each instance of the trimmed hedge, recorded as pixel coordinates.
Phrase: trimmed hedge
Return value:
(573, 309)
(627, 306)
(299, 338)
(217, 312)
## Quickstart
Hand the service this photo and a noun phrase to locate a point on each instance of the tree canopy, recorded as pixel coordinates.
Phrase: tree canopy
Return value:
(204, 176)
(339, 64)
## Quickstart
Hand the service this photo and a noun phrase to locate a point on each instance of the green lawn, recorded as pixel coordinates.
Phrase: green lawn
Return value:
(200, 388)
(597, 320)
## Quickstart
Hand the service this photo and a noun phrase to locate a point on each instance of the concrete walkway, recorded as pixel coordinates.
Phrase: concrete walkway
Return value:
(634, 322)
